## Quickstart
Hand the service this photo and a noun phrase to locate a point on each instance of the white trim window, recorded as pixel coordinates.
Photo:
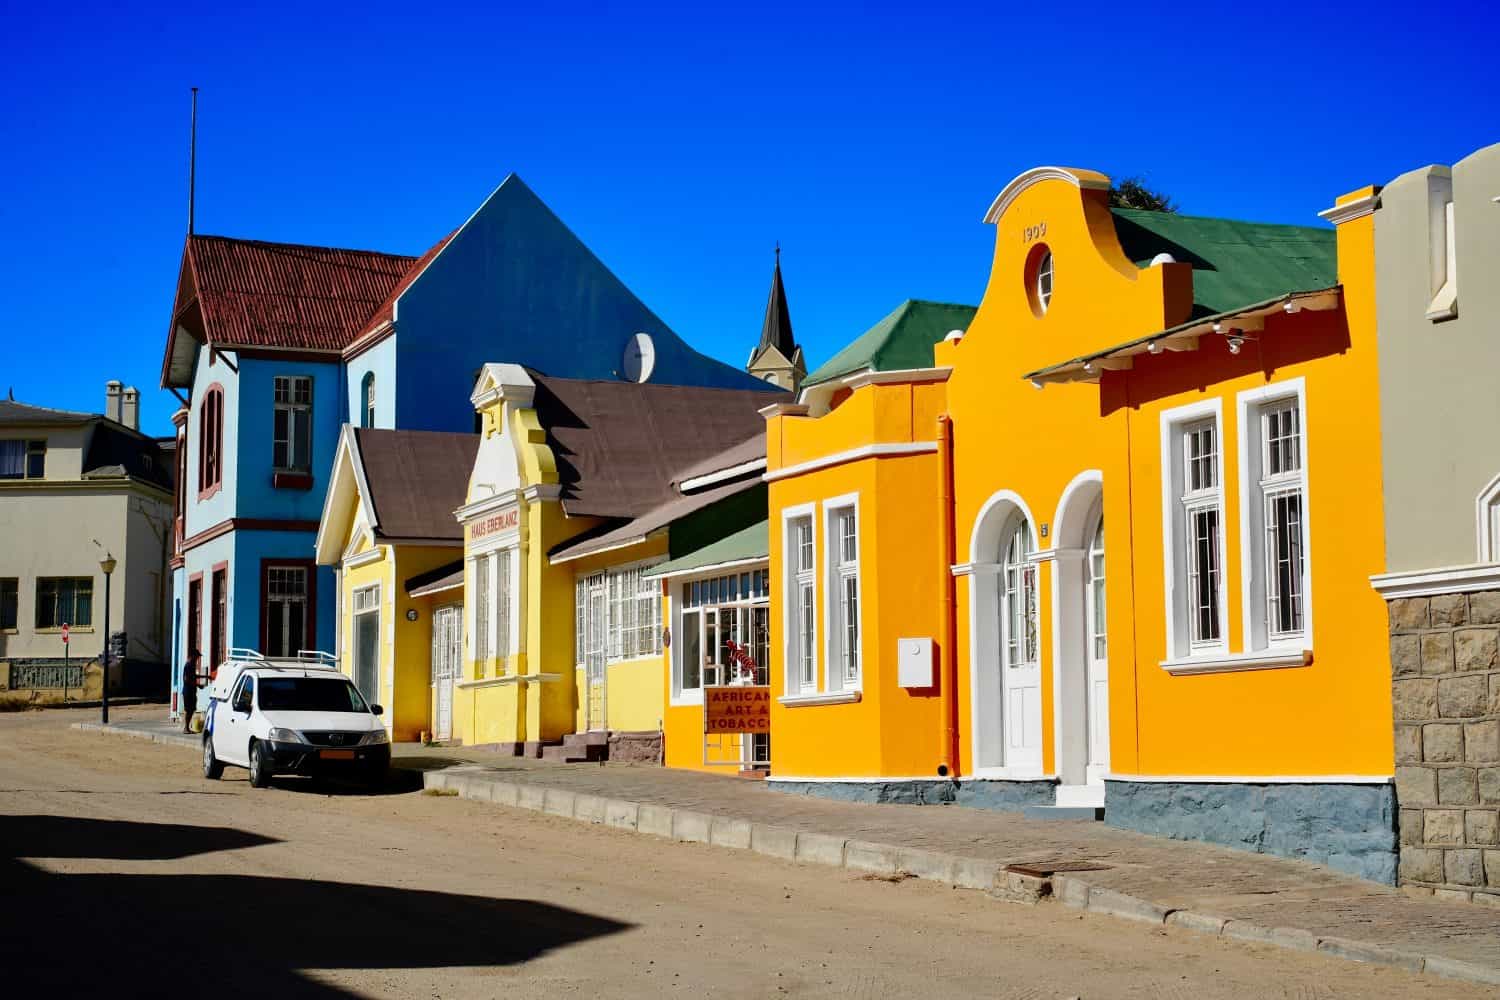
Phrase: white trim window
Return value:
(843, 595)
(481, 643)
(801, 591)
(619, 608)
(291, 437)
(1193, 528)
(365, 610)
(1019, 598)
(1273, 514)
(502, 602)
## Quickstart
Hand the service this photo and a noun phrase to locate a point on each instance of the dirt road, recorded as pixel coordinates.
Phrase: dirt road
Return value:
(123, 872)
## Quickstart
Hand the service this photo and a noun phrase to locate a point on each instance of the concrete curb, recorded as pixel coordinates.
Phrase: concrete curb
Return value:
(191, 740)
(867, 858)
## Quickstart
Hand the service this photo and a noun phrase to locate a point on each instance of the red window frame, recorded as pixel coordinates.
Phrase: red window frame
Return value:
(211, 441)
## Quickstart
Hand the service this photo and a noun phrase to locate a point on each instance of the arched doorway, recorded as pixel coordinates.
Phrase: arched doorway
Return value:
(1080, 644)
(1005, 665)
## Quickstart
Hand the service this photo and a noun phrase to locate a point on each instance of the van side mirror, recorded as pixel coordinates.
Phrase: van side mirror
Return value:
(376, 710)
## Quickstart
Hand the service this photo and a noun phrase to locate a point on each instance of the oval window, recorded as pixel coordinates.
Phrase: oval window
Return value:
(1039, 278)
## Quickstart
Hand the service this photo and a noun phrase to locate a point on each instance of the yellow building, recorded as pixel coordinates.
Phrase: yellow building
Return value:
(1156, 600)
(388, 528)
(570, 502)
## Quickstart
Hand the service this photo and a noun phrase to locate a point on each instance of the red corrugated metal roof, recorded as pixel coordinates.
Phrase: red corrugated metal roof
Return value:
(386, 311)
(258, 294)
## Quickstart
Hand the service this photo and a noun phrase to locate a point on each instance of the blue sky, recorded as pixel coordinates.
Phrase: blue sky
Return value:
(679, 143)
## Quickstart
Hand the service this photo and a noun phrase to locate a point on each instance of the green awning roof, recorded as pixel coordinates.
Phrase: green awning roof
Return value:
(1235, 264)
(904, 339)
(753, 542)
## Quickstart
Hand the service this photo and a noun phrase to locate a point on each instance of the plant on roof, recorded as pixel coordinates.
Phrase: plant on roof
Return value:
(1132, 192)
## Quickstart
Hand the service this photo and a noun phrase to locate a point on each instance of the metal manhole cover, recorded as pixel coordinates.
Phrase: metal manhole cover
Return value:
(1043, 869)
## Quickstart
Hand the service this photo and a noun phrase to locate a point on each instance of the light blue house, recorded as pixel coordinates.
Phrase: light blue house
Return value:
(274, 346)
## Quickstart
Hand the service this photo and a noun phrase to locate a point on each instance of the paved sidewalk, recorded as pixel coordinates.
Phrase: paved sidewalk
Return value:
(1197, 886)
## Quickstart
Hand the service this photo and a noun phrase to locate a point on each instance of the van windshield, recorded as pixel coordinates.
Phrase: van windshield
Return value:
(309, 694)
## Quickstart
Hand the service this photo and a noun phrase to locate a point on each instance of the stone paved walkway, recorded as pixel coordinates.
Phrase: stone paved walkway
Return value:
(1304, 902)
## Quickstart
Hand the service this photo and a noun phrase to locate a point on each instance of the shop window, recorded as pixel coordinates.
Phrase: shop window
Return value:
(64, 600)
(291, 435)
(843, 595)
(9, 603)
(725, 632)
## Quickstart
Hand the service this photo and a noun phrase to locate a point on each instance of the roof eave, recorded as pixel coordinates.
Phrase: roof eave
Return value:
(1186, 336)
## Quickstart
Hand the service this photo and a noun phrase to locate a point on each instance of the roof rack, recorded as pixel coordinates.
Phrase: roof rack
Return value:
(317, 658)
(243, 653)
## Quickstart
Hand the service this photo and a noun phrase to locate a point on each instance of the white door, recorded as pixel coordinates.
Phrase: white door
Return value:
(1020, 662)
(594, 652)
(446, 651)
(1097, 647)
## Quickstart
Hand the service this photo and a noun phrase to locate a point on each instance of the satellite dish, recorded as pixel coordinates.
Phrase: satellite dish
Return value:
(1162, 258)
(639, 359)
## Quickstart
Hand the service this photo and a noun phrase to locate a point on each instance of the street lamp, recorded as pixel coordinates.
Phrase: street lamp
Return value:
(108, 565)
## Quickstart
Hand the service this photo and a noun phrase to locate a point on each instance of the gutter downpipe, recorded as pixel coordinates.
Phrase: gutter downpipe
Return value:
(947, 658)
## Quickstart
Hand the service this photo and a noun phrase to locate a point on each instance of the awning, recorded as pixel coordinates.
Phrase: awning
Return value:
(449, 576)
(1233, 325)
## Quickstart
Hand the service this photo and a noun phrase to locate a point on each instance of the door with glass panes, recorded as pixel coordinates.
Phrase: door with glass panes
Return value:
(595, 649)
(447, 650)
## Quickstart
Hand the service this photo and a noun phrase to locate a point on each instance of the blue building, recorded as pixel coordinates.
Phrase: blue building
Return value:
(274, 346)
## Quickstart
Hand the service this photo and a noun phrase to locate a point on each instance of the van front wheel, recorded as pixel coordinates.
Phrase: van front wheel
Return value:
(260, 769)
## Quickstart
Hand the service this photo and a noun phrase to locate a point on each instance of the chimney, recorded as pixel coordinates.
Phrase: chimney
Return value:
(130, 408)
(112, 400)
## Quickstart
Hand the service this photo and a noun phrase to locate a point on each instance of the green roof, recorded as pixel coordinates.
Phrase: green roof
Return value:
(753, 542)
(1234, 263)
(903, 339)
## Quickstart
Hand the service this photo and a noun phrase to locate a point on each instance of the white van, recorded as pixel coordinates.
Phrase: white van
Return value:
(297, 716)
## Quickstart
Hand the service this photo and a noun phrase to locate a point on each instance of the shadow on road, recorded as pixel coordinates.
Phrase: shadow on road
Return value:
(238, 934)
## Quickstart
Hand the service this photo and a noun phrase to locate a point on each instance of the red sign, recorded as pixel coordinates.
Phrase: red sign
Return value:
(65, 633)
(495, 523)
(737, 709)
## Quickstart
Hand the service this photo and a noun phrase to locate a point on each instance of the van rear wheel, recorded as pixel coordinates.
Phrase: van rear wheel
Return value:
(260, 768)
(213, 770)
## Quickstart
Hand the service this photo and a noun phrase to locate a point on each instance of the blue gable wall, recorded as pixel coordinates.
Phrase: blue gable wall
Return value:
(516, 285)
(380, 359)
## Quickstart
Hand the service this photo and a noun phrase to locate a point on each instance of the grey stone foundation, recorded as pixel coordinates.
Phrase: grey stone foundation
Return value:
(1445, 684)
(978, 794)
(1350, 828)
(642, 747)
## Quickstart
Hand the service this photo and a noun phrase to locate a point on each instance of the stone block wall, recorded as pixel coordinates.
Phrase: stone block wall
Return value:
(1445, 685)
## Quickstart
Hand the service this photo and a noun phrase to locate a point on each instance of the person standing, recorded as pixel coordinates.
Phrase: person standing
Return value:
(190, 682)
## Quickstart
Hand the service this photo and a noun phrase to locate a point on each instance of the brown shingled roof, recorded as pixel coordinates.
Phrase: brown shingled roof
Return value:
(618, 444)
(258, 294)
(386, 311)
(416, 480)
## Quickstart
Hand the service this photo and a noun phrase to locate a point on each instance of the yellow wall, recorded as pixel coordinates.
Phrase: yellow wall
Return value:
(1329, 718)
(890, 731)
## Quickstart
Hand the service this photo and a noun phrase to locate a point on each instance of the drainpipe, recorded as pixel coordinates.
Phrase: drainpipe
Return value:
(947, 660)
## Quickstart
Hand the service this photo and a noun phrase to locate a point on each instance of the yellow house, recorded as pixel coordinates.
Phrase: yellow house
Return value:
(570, 502)
(388, 529)
(1157, 601)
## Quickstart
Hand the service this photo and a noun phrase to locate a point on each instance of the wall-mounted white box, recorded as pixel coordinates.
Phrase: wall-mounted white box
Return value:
(915, 666)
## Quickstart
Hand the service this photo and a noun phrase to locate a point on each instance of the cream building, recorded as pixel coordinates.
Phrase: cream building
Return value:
(74, 486)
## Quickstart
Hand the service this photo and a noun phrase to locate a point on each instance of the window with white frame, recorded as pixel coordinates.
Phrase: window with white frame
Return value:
(1274, 503)
(1020, 598)
(724, 632)
(291, 440)
(629, 616)
(802, 634)
(502, 602)
(843, 602)
(481, 612)
(1193, 522)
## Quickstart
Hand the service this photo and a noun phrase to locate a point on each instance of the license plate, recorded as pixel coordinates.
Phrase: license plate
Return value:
(336, 754)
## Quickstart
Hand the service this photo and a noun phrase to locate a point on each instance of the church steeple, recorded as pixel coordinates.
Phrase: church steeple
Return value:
(777, 358)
